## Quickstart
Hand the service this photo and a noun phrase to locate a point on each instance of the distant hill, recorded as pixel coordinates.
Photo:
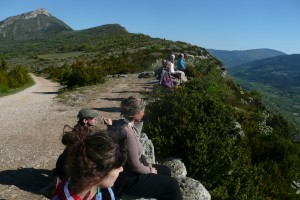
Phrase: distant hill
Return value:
(277, 79)
(281, 72)
(234, 58)
(38, 23)
(39, 32)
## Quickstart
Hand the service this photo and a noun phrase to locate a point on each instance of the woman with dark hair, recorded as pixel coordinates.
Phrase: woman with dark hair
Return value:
(139, 177)
(86, 121)
(94, 161)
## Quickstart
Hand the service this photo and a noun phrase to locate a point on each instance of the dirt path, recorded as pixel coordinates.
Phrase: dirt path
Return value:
(31, 124)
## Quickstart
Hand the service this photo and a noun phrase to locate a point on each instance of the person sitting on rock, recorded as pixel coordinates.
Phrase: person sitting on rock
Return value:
(181, 65)
(177, 74)
(139, 177)
(87, 119)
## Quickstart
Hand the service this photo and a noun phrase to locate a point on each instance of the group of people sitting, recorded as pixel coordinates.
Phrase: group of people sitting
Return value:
(167, 75)
(104, 164)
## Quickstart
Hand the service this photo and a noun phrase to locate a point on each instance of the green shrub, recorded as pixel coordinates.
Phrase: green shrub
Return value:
(3, 82)
(82, 75)
(60, 74)
(18, 77)
(194, 127)
(196, 123)
(3, 65)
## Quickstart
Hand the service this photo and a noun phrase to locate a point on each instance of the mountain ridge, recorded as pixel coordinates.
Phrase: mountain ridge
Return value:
(37, 23)
(238, 57)
(280, 71)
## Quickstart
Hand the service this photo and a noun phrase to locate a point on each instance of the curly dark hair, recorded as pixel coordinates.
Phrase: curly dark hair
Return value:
(92, 156)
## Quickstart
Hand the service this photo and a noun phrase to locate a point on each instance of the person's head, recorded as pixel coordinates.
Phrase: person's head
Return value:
(163, 62)
(96, 159)
(133, 108)
(171, 56)
(87, 117)
(168, 65)
(181, 55)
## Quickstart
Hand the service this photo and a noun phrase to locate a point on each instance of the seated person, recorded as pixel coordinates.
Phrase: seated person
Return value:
(181, 65)
(139, 177)
(176, 74)
(93, 164)
(165, 78)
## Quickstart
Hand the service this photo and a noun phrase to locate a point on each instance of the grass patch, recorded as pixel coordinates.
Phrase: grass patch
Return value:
(13, 91)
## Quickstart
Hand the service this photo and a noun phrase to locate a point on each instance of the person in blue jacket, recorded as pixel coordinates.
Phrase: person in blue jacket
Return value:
(181, 62)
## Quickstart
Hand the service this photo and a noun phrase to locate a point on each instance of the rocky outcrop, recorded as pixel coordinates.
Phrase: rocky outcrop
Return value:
(191, 189)
(27, 15)
(38, 23)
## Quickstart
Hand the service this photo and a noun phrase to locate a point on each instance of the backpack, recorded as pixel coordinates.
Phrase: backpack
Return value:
(166, 80)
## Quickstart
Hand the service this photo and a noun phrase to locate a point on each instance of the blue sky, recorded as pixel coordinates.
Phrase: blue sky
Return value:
(215, 24)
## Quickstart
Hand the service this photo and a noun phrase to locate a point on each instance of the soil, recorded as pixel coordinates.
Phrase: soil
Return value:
(31, 124)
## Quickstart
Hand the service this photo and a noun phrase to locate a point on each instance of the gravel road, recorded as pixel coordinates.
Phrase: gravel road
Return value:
(31, 124)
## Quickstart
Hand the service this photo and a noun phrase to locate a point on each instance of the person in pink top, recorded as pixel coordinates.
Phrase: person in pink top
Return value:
(139, 177)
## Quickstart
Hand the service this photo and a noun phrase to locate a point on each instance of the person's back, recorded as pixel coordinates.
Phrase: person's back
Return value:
(165, 79)
(181, 62)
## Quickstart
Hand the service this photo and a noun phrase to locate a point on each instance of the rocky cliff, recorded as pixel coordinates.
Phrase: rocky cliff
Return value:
(31, 24)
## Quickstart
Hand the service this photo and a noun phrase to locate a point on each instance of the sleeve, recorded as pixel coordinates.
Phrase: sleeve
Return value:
(161, 77)
(133, 158)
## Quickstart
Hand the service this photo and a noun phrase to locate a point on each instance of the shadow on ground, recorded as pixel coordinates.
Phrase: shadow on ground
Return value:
(46, 92)
(110, 109)
(113, 99)
(28, 179)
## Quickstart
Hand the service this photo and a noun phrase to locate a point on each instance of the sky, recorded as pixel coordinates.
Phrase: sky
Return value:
(211, 24)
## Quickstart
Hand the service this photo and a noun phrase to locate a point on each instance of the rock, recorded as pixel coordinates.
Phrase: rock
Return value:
(146, 75)
(191, 189)
(148, 148)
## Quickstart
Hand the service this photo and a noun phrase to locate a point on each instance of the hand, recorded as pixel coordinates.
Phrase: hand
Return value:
(153, 170)
(107, 121)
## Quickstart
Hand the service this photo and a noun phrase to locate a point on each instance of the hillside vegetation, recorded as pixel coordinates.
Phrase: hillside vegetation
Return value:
(226, 137)
(14, 79)
(278, 79)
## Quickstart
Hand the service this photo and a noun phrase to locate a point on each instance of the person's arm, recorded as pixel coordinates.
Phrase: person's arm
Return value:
(133, 158)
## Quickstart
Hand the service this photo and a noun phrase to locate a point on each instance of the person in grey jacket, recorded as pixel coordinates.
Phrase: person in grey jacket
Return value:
(139, 177)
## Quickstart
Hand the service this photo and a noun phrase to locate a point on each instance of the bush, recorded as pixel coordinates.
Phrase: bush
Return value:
(18, 77)
(198, 129)
(82, 75)
(3, 82)
(196, 123)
